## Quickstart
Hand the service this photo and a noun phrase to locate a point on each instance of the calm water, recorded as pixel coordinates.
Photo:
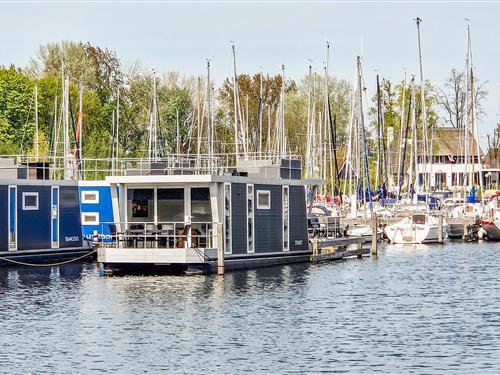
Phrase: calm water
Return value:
(413, 310)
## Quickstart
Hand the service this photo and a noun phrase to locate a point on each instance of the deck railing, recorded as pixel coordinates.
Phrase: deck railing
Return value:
(69, 168)
(167, 235)
(325, 227)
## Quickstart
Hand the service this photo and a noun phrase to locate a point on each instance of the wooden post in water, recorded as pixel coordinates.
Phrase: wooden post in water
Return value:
(315, 247)
(220, 249)
(440, 229)
(374, 233)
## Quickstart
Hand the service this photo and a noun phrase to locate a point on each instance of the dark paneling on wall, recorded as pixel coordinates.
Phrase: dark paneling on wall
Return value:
(33, 226)
(298, 220)
(4, 245)
(269, 223)
(239, 218)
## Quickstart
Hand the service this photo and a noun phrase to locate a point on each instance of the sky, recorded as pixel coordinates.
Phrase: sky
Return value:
(182, 35)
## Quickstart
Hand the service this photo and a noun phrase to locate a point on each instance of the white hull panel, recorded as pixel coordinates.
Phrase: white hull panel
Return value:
(155, 255)
(407, 232)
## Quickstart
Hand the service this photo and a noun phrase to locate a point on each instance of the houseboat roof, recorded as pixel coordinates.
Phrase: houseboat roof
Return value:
(208, 178)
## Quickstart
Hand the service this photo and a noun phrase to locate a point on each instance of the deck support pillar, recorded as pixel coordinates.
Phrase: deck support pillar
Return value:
(440, 229)
(315, 247)
(374, 247)
(220, 249)
(465, 236)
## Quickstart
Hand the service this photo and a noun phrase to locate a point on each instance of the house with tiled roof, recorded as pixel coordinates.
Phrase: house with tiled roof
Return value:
(491, 168)
(447, 168)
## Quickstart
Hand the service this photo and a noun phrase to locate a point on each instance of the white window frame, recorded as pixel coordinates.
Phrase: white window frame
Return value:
(263, 206)
(9, 244)
(251, 250)
(90, 201)
(228, 249)
(287, 188)
(31, 194)
(95, 222)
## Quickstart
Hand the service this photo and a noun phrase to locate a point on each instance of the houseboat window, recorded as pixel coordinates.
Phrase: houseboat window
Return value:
(170, 205)
(250, 218)
(200, 205)
(30, 201)
(263, 199)
(140, 205)
(201, 217)
(227, 218)
(12, 217)
(90, 196)
(286, 232)
(90, 218)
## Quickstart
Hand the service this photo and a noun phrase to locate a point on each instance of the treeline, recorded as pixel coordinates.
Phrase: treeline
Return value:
(114, 93)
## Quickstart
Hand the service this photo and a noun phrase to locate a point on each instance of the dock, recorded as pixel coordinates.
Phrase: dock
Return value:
(332, 249)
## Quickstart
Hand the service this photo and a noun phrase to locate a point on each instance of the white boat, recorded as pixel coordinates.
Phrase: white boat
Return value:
(414, 229)
(491, 223)
(363, 231)
(459, 217)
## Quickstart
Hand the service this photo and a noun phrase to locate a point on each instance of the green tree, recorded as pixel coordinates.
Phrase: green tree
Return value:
(7, 142)
(16, 105)
(98, 69)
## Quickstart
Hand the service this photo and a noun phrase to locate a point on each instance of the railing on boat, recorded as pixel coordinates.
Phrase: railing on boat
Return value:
(166, 235)
(69, 168)
(325, 227)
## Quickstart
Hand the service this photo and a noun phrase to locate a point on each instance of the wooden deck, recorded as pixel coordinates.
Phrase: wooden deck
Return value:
(330, 249)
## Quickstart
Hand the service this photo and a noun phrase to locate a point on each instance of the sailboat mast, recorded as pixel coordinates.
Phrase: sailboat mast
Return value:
(401, 139)
(66, 129)
(117, 123)
(414, 133)
(424, 110)
(235, 100)
(80, 120)
(378, 175)
(209, 110)
(261, 109)
(328, 118)
(152, 142)
(282, 112)
(367, 190)
(401, 172)
(309, 133)
(475, 130)
(36, 121)
(467, 148)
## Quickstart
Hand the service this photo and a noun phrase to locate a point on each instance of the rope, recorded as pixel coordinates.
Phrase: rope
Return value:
(48, 264)
(201, 254)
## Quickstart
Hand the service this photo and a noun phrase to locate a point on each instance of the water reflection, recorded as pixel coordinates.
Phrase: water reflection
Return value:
(412, 309)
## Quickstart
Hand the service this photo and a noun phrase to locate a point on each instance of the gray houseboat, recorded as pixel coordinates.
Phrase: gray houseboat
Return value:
(178, 216)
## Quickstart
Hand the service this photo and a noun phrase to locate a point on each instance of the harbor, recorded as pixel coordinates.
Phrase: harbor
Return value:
(249, 187)
(414, 308)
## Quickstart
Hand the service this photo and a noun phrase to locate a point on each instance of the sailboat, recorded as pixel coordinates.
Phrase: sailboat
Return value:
(417, 227)
(464, 220)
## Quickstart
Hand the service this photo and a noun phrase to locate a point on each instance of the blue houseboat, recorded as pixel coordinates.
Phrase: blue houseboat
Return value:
(39, 218)
(96, 209)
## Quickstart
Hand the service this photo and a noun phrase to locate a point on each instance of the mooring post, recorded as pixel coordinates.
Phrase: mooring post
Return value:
(315, 247)
(466, 231)
(374, 233)
(220, 249)
(440, 229)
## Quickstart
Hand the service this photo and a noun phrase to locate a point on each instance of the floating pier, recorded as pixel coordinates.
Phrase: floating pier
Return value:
(338, 248)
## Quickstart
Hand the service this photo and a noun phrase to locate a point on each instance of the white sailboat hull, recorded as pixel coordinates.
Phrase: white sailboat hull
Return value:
(408, 232)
